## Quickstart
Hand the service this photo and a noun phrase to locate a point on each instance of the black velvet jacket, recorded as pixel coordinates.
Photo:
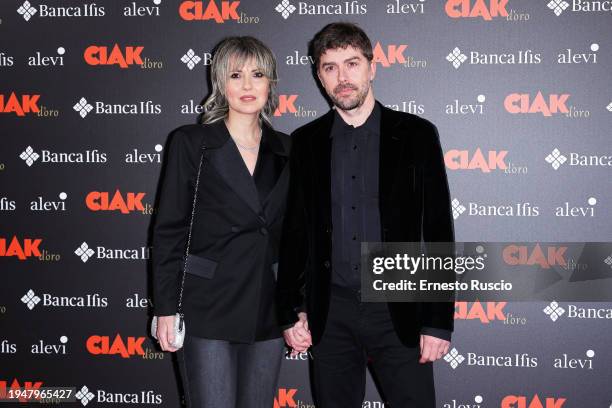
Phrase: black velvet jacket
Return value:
(414, 203)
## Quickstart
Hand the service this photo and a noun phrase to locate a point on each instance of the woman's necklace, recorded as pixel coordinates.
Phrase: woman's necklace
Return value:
(247, 147)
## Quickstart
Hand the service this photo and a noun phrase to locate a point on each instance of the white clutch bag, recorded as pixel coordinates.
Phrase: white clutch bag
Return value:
(179, 330)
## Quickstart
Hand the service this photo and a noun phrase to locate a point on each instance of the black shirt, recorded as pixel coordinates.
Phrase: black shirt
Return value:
(354, 199)
(354, 195)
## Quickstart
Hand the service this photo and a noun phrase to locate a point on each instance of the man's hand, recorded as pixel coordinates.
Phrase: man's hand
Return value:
(432, 348)
(298, 337)
(165, 332)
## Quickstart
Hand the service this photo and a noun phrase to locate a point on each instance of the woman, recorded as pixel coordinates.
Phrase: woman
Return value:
(233, 347)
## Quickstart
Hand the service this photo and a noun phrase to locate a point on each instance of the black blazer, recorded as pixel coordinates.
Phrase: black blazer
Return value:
(414, 203)
(230, 284)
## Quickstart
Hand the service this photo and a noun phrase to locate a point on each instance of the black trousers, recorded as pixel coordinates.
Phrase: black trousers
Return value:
(355, 333)
(222, 374)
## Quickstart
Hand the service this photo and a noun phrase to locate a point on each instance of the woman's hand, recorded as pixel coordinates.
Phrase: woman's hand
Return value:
(165, 332)
(298, 337)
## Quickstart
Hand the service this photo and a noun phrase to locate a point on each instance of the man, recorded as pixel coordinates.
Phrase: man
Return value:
(361, 172)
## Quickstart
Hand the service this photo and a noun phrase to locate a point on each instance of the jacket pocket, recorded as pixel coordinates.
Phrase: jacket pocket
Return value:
(199, 266)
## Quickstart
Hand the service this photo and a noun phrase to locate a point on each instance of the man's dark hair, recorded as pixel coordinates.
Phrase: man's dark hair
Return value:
(340, 35)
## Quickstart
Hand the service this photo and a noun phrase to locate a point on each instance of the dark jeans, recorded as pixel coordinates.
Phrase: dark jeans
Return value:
(354, 333)
(222, 374)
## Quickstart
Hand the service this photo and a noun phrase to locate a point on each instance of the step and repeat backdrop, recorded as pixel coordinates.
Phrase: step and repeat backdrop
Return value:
(521, 92)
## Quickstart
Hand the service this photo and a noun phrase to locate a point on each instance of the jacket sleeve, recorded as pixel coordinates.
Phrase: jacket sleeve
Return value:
(437, 225)
(172, 224)
(294, 244)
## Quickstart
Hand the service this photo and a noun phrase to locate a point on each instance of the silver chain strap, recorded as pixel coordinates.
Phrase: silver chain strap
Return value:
(195, 193)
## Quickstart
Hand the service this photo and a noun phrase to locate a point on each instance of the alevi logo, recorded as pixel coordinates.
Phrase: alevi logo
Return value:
(21, 250)
(516, 103)
(571, 57)
(103, 345)
(285, 398)
(142, 11)
(138, 156)
(19, 105)
(406, 8)
(48, 205)
(100, 55)
(577, 211)
(102, 201)
(209, 10)
(42, 348)
(520, 401)
(486, 10)
(457, 108)
(580, 363)
(478, 399)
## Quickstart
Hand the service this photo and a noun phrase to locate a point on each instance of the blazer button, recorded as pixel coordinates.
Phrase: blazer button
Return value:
(234, 228)
(326, 264)
(263, 231)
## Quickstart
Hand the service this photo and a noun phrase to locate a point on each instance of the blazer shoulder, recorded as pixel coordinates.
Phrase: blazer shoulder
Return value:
(312, 126)
(211, 135)
(189, 134)
(410, 119)
(285, 140)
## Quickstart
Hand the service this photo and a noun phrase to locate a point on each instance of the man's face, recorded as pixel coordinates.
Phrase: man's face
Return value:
(345, 73)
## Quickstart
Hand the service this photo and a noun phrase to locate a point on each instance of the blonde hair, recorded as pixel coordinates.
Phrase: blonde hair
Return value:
(232, 53)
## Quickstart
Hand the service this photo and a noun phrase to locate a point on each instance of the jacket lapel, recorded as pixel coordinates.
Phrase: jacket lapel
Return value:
(390, 152)
(279, 157)
(226, 159)
(322, 143)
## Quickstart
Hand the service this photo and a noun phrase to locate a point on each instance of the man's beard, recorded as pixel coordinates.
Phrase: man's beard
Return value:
(352, 102)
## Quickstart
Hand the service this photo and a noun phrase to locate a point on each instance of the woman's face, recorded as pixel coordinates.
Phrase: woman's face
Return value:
(247, 89)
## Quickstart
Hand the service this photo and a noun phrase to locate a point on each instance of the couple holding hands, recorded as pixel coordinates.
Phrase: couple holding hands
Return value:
(273, 226)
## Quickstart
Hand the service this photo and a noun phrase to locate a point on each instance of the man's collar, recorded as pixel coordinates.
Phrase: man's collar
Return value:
(371, 124)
